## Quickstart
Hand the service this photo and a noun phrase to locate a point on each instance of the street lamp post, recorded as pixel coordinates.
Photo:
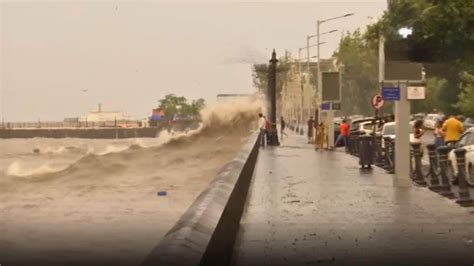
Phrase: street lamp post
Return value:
(330, 113)
(308, 38)
(273, 136)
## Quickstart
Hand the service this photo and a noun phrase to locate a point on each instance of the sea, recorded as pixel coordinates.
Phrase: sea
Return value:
(78, 201)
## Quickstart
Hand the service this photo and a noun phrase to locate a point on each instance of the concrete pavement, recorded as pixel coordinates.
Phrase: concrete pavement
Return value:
(315, 208)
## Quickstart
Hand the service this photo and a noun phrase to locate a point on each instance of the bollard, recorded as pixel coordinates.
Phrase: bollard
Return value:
(418, 174)
(434, 181)
(378, 151)
(356, 145)
(464, 196)
(365, 151)
(392, 156)
(386, 150)
(351, 144)
(445, 187)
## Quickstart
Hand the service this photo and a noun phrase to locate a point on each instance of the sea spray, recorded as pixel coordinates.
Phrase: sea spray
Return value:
(217, 120)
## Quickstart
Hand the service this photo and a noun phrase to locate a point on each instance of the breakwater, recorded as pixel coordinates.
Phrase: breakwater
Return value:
(97, 133)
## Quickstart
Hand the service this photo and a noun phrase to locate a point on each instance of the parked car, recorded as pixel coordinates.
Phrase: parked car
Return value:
(363, 126)
(388, 130)
(467, 142)
(468, 123)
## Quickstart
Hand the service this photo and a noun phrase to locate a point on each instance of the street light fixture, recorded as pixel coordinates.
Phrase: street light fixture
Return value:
(303, 48)
(308, 37)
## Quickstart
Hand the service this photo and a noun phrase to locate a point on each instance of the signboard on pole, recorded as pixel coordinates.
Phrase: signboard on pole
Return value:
(331, 86)
(403, 70)
(416, 93)
(391, 93)
(377, 101)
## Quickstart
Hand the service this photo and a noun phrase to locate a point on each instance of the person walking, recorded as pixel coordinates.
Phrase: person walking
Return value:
(282, 127)
(452, 129)
(268, 128)
(261, 126)
(310, 129)
(343, 135)
(439, 134)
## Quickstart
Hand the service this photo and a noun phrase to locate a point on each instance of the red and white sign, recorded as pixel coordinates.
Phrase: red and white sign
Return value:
(377, 101)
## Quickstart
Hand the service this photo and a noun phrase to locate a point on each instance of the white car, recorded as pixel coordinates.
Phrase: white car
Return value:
(467, 142)
(388, 130)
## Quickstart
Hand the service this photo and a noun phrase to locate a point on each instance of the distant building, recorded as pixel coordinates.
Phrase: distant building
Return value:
(104, 116)
(234, 97)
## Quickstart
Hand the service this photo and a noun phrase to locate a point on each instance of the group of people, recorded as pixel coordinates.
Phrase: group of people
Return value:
(320, 138)
(265, 128)
(446, 133)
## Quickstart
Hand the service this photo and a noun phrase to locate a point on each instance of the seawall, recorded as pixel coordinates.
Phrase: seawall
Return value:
(206, 233)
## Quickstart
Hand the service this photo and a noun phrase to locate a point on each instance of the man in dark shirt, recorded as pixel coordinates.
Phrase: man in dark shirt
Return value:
(282, 127)
(310, 129)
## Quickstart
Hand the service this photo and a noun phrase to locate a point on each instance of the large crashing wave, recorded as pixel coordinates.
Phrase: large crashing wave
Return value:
(221, 119)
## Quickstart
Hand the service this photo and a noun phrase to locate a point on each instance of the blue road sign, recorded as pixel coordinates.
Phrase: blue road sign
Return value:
(325, 106)
(391, 93)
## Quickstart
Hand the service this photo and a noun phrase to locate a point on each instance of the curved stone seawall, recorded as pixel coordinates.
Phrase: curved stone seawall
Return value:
(206, 233)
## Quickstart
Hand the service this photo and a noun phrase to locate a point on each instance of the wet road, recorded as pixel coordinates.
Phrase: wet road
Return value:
(318, 208)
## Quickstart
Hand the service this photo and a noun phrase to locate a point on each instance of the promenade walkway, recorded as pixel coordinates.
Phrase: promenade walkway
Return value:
(308, 207)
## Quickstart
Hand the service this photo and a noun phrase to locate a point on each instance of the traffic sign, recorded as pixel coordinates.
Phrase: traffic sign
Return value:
(377, 101)
(391, 93)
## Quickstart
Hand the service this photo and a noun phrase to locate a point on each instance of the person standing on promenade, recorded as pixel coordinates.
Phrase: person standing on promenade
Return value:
(268, 128)
(282, 127)
(261, 126)
(343, 135)
(310, 129)
(439, 134)
(452, 129)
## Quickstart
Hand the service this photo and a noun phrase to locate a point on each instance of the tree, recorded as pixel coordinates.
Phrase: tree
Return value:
(443, 33)
(359, 67)
(434, 101)
(466, 96)
(178, 105)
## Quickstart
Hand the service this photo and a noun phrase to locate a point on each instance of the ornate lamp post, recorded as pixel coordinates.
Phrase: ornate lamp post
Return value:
(273, 134)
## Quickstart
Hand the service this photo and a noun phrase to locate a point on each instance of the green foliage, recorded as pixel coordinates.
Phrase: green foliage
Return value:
(443, 33)
(466, 96)
(359, 71)
(178, 105)
(260, 76)
(433, 101)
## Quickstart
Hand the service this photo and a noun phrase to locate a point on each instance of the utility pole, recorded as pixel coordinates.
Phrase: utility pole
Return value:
(330, 113)
(307, 53)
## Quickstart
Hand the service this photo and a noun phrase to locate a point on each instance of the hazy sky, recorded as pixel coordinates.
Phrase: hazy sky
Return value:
(59, 59)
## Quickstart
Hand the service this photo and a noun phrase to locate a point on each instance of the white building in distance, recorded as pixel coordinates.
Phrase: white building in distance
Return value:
(104, 116)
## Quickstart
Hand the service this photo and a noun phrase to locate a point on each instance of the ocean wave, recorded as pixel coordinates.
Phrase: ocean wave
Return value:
(19, 169)
(217, 120)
